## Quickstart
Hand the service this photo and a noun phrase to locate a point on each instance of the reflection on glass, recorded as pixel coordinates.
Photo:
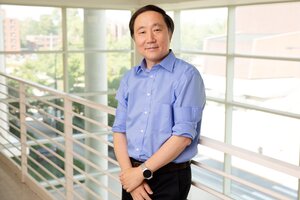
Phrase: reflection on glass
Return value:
(265, 177)
(275, 34)
(268, 134)
(212, 70)
(213, 121)
(268, 83)
(207, 30)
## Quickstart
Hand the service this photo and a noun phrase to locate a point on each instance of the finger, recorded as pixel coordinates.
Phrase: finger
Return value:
(146, 196)
(129, 190)
(137, 196)
(147, 188)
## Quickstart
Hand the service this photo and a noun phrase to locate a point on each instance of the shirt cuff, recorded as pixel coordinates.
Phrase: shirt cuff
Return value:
(188, 130)
(186, 121)
(120, 122)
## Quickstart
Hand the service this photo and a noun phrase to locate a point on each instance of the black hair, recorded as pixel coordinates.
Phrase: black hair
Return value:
(168, 20)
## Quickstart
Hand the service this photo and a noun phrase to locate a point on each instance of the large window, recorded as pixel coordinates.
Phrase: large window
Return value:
(274, 34)
(97, 37)
(250, 64)
(32, 41)
(269, 78)
(207, 32)
(203, 43)
(247, 55)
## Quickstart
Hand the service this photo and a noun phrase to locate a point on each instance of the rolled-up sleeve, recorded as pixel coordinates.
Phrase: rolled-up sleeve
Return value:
(189, 104)
(121, 111)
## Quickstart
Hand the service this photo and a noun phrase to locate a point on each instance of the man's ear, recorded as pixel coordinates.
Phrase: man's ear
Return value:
(170, 36)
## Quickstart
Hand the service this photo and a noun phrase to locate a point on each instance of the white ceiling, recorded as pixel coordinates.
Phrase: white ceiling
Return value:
(132, 4)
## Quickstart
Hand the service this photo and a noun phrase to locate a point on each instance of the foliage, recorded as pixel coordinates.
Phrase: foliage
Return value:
(192, 36)
(45, 25)
(75, 29)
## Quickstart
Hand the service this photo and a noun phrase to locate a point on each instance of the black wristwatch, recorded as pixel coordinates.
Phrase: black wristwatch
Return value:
(147, 173)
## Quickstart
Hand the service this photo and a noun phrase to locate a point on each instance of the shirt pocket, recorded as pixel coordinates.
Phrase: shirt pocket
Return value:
(163, 118)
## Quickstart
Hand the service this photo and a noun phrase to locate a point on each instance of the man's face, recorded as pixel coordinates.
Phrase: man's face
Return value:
(152, 37)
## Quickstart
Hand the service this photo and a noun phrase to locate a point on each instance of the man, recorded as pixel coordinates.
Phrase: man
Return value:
(158, 118)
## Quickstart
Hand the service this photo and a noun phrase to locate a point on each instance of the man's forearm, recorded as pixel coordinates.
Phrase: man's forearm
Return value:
(172, 148)
(120, 149)
(130, 177)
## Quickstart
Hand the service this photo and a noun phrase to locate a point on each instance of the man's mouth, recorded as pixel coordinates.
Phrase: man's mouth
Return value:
(150, 48)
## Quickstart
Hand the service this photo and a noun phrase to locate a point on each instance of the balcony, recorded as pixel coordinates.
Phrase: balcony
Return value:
(60, 146)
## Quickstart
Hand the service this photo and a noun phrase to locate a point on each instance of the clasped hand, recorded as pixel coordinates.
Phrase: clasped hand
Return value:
(132, 181)
(131, 178)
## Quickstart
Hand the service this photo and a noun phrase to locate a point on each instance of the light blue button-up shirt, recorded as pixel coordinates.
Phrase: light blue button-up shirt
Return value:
(155, 104)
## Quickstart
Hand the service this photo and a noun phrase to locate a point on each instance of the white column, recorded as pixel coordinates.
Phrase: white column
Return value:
(3, 90)
(95, 81)
(176, 38)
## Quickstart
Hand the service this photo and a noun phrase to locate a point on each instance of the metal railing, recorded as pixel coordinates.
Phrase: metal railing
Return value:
(61, 145)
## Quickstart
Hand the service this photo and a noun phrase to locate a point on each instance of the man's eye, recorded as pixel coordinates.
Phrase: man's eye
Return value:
(141, 32)
(157, 30)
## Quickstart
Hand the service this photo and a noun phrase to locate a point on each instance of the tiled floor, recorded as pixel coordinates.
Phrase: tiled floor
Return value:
(11, 188)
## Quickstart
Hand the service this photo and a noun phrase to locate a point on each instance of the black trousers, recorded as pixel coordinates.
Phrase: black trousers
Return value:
(171, 185)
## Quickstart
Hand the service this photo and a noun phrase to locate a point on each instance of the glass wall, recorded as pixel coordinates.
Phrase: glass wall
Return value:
(268, 78)
(204, 43)
(207, 32)
(32, 40)
(250, 64)
(80, 51)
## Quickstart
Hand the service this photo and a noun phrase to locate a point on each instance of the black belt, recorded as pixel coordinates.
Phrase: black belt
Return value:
(170, 167)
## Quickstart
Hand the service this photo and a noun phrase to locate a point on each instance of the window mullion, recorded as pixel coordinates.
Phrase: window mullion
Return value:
(229, 93)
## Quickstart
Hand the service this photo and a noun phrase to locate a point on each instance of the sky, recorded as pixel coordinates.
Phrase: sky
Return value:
(34, 12)
(23, 12)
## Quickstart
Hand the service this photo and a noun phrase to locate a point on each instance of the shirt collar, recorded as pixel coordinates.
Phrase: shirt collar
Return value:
(167, 63)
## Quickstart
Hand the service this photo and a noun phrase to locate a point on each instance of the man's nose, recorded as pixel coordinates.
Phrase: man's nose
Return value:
(150, 37)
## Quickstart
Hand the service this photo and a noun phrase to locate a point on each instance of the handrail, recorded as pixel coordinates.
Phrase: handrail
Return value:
(263, 160)
(255, 107)
(68, 160)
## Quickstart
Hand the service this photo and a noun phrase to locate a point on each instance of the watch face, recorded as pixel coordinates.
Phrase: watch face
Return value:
(147, 173)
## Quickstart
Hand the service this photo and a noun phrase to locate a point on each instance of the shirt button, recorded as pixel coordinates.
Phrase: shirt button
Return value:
(148, 94)
(145, 112)
(142, 131)
(137, 149)
(151, 76)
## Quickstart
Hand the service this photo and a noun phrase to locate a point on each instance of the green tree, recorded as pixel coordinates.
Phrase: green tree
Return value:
(49, 24)
(75, 29)
(192, 36)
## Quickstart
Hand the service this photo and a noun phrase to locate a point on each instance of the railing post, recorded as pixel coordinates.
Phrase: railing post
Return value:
(23, 136)
(68, 148)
